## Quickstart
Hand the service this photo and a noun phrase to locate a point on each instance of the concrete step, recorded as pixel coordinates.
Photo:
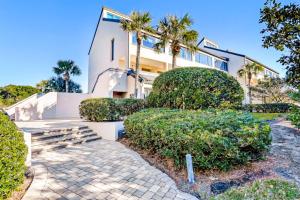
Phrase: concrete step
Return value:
(51, 135)
(59, 130)
(39, 149)
(62, 138)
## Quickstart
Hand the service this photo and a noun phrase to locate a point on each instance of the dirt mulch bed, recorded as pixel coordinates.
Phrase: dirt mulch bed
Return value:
(209, 182)
(21, 190)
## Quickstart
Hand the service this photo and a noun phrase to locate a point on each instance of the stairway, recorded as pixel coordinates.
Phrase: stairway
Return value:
(52, 139)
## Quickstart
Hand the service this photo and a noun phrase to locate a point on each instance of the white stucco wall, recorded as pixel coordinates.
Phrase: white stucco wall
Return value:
(100, 54)
(52, 105)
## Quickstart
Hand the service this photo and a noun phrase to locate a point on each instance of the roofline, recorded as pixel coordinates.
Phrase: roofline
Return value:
(96, 30)
(207, 52)
(242, 55)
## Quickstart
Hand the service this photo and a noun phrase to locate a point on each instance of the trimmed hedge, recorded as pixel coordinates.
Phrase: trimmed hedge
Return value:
(215, 138)
(195, 88)
(263, 190)
(269, 108)
(12, 157)
(294, 116)
(108, 109)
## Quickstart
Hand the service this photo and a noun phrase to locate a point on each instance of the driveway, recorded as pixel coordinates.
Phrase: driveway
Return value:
(99, 170)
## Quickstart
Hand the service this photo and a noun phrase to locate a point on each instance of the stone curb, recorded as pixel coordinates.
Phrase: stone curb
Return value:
(34, 191)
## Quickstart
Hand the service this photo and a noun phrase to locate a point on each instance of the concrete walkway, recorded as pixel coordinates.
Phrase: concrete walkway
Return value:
(99, 170)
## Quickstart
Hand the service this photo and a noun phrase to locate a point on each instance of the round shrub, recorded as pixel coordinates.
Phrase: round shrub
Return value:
(216, 139)
(195, 88)
(108, 109)
(12, 157)
(266, 189)
(294, 116)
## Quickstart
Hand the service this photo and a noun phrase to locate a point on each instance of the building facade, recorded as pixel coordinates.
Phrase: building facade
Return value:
(113, 52)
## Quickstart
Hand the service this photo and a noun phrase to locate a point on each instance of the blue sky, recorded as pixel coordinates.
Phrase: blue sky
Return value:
(34, 34)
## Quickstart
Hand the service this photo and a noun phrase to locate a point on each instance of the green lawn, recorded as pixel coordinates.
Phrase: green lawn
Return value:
(268, 116)
(263, 190)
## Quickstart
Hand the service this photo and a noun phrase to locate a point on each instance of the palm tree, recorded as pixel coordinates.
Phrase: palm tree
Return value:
(177, 31)
(139, 23)
(66, 68)
(248, 71)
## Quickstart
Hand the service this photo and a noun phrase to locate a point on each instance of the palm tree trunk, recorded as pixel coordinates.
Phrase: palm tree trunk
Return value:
(173, 61)
(67, 86)
(249, 92)
(137, 68)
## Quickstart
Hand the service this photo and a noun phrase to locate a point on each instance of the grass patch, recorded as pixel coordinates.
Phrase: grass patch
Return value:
(268, 116)
(263, 190)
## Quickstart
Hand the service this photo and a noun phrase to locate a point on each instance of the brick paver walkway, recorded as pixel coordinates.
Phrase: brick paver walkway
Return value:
(99, 170)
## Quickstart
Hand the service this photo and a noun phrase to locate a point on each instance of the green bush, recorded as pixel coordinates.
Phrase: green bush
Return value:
(12, 157)
(216, 139)
(108, 109)
(263, 190)
(294, 116)
(268, 108)
(195, 88)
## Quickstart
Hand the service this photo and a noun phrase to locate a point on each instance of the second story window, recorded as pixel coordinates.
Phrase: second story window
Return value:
(112, 49)
(185, 54)
(203, 59)
(149, 42)
(221, 65)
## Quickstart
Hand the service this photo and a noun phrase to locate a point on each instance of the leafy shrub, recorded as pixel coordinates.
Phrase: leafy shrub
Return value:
(12, 157)
(195, 88)
(216, 139)
(268, 107)
(264, 190)
(108, 109)
(294, 116)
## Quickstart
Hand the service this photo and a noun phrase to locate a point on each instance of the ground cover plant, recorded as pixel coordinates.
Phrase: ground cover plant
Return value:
(263, 190)
(12, 157)
(217, 139)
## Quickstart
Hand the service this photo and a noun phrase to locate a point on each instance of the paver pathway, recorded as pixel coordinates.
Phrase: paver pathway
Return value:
(286, 147)
(99, 170)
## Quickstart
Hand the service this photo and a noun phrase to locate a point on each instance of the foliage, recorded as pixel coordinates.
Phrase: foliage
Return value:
(195, 88)
(58, 84)
(108, 109)
(66, 68)
(271, 90)
(268, 108)
(248, 71)
(176, 31)
(215, 138)
(43, 86)
(294, 116)
(11, 94)
(282, 32)
(12, 157)
(267, 116)
(263, 190)
(138, 24)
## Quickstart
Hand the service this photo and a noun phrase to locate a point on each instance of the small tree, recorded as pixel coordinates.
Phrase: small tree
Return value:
(282, 32)
(271, 90)
(176, 31)
(248, 71)
(66, 68)
(139, 23)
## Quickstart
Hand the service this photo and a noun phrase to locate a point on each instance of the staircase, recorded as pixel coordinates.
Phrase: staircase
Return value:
(52, 139)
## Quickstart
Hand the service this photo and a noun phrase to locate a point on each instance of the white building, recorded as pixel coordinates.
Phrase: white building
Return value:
(113, 51)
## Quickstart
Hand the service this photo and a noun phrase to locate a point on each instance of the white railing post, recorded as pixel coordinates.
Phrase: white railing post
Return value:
(189, 166)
